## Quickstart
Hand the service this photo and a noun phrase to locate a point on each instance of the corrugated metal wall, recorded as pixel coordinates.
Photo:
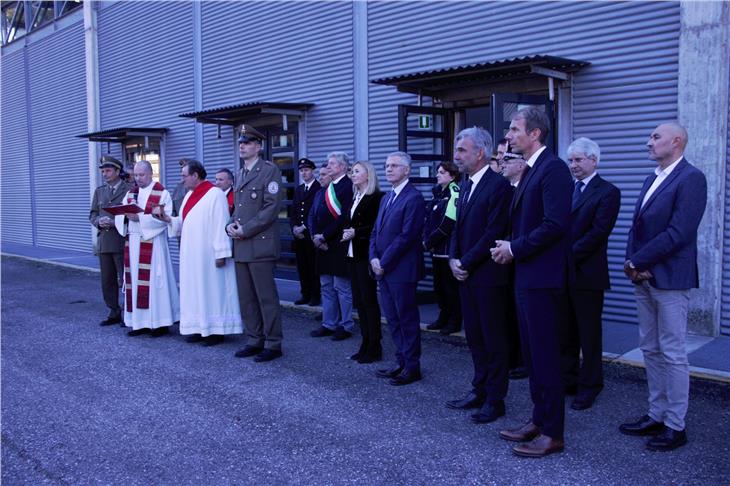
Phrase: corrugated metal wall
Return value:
(630, 86)
(17, 226)
(146, 75)
(56, 72)
(725, 303)
(260, 51)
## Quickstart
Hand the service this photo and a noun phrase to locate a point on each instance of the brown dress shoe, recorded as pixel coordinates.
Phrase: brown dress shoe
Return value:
(521, 434)
(540, 446)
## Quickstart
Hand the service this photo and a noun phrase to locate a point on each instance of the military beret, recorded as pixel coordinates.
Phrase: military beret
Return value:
(109, 161)
(249, 133)
(305, 163)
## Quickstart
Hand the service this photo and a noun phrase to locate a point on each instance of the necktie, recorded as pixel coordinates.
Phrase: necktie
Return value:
(467, 191)
(577, 192)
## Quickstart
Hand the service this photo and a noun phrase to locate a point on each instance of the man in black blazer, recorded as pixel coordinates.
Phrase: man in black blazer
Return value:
(328, 223)
(302, 244)
(595, 207)
(539, 246)
(661, 261)
(482, 217)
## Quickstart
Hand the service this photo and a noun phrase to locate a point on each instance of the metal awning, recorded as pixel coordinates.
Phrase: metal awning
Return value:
(121, 135)
(435, 81)
(236, 114)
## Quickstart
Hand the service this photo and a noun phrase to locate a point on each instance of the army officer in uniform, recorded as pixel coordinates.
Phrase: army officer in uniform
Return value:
(110, 242)
(256, 247)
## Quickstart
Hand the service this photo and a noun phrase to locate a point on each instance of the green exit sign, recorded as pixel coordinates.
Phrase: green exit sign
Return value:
(425, 122)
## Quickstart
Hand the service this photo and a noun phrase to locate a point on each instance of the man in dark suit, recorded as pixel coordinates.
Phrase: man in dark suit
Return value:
(303, 246)
(328, 223)
(539, 246)
(661, 260)
(396, 259)
(110, 243)
(482, 217)
(595, 207)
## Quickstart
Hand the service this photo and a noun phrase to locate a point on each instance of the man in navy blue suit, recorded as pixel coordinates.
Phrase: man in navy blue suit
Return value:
(539, 246)
(396, 260)
(661, 261)
(595, 207)
(482, 217)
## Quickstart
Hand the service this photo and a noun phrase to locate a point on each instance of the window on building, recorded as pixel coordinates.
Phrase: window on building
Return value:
(19, 18)
(13, 21)
(42, 13)
(135, 150)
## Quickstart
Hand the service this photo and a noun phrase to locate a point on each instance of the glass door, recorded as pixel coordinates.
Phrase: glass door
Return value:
(504, 105)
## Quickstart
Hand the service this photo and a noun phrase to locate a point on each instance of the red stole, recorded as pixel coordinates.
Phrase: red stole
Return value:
(145, 254)
(229, 196)
(196, 196)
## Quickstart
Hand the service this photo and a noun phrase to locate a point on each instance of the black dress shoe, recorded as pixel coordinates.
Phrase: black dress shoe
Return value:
(405, 378)
(357, 356)
(268, 355)
(518, 373)
(321, 331)
(368, 358)
(213, 340)
(160, 331)
(449, 329)
(489, 413)
(341, 335)
(644, 426)
(248, 351)
(388, 372)
(435, 326)
(582, 402)
(315, 302)
(194, 338)
(138, 332)
(301, 301)
(472, 400)
(109, 321)
(667, 440)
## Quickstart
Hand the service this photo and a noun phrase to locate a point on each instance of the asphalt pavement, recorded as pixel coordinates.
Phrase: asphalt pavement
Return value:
(86, 404)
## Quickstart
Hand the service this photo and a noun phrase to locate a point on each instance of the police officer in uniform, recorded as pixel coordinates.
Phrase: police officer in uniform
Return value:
(256, 247)
(302, 244)
(109, 242)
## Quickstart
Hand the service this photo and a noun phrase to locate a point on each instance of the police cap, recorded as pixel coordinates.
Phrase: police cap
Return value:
(305, 163)
(109, 161)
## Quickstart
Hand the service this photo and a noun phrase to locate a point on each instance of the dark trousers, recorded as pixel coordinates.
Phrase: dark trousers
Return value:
(580, 331)
(446, 288)
(259, 301)
(306, 268)
(398, 303)
(365, 299)
(485, 326)
(112, 276)
(513, 333)
(538, 311)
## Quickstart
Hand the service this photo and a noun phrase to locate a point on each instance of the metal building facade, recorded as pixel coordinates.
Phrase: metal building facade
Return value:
(149, 52)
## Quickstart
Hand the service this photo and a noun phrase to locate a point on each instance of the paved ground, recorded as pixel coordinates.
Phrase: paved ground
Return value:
(84, 404)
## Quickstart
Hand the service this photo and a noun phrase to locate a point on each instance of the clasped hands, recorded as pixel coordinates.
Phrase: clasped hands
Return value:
(377, 269)
(635, 275)
(235, 231)
(298, 232)
(348, 234)
(319, 242)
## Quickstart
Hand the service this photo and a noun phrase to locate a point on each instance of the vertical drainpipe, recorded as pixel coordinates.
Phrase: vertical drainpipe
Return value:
(360, 75)
(31, 163)
(198, 74)
(93, 114)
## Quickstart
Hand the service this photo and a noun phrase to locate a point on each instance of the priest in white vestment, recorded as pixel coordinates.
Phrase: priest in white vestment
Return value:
(208, 293)
(151, 301)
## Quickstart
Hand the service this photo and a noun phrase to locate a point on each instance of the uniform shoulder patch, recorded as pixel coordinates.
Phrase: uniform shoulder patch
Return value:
(273, 187)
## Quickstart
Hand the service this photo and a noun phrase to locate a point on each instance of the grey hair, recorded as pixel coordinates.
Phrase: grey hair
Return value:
(481, 138)
(404, 158)
(146, 165)
(585, 146)
(372, 176)
(341, 157)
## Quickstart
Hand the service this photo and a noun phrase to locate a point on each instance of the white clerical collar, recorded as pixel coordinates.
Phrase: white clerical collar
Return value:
(397, 189)
(658, 171)
(339, 178)
(534, 156)
(478, 175)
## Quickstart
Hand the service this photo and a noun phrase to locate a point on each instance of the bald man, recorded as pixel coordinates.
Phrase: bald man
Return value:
(661, 261)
